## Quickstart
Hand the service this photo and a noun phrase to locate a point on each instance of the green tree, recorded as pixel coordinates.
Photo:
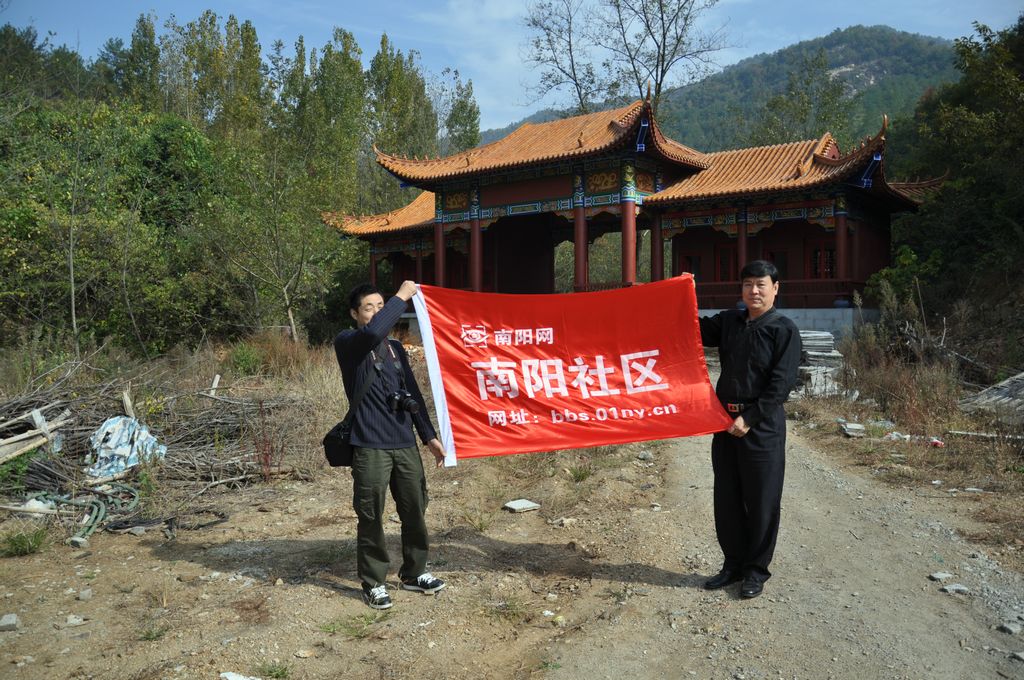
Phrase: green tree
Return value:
(973, 229)
(462, 124)
(401, 120)
(141, 66)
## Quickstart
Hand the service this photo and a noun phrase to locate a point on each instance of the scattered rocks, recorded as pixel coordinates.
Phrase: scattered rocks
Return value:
(940, 576)
(74, 620)
(645, 455)
(853, 430)
(1019, 656)
(955, 588)
(563, 522)
(305, 654)
(9, 622)
(1011, 627)
(521, 505)
(583, 549)
(85, 594)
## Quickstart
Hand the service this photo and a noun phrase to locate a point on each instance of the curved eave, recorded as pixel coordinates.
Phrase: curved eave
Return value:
(917, 192)
(796, 166)
(415, 216)
(623, 129)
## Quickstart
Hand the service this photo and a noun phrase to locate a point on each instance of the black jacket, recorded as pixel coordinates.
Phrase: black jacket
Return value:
(759, 359)
(374, 425)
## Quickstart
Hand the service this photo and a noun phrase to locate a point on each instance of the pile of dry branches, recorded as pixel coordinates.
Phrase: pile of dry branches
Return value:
(214, 436)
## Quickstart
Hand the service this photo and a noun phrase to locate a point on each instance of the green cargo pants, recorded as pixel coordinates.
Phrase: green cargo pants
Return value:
(373, 471)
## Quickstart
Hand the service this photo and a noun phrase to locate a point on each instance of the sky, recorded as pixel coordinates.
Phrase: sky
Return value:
(484, 39)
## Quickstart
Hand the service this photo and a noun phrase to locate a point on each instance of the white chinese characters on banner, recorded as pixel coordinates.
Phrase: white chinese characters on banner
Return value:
(500, 379)
(476, 336)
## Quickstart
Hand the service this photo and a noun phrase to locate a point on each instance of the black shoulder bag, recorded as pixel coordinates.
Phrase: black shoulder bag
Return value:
(337, 446)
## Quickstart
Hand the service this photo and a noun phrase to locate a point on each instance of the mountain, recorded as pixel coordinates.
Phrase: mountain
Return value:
(890, 69)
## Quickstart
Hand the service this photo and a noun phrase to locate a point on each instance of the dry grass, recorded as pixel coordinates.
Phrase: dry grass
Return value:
(921, 395)
(509, 608)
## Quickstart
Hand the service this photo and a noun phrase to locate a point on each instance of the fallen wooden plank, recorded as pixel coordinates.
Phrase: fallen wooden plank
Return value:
(28, 415)
(126, 399)
(14, 450)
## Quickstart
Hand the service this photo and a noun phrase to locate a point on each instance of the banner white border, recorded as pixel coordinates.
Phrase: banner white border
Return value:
(444, 422)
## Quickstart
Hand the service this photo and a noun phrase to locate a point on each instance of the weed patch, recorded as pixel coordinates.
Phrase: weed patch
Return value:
(274, 669)
(21, 542)
(357, 627)
(511, 609)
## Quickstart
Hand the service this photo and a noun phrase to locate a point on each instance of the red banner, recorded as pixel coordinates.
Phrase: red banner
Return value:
(522, 373)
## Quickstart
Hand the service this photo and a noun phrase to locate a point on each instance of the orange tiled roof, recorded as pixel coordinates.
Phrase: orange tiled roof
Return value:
(763, 169)
(532, 143)
(419, 213)
(918, 191)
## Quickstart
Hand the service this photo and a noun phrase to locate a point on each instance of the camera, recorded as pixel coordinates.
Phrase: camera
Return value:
(401, 400)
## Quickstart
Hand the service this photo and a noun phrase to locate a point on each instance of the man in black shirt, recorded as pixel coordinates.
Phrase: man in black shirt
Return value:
(385, 451)
(759, 351)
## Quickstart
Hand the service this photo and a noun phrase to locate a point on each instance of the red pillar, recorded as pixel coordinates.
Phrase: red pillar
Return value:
(842, 270)
(476, 255)
(628, 243)
(657, 250)
(373, 268)
(438, 254)
(580, 252)
(581, 277)
(439, 239)
(855, 270)
(419, 264)
(627, 204)
(741, 244)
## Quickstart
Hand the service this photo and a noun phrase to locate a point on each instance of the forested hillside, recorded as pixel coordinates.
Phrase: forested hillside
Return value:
(170, 188)
(889, 70)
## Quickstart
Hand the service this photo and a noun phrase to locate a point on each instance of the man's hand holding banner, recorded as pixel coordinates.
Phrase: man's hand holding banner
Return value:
(524, 373)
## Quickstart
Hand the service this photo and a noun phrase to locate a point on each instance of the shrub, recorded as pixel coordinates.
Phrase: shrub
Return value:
(245, 359)
(23, 542)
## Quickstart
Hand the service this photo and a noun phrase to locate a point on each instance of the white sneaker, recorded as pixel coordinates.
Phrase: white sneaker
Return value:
(426, 584)
(377, 597)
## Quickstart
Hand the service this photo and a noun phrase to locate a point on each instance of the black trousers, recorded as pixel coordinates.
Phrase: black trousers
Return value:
(749, 472)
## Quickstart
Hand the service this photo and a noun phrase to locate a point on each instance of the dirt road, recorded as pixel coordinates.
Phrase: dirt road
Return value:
(603, 582)
(851, 597)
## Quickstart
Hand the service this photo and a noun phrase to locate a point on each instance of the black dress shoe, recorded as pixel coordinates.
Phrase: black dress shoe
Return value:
(751, 587)
(721, 579)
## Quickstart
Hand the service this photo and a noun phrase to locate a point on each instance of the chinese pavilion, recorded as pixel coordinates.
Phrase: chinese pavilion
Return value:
(489, 218)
